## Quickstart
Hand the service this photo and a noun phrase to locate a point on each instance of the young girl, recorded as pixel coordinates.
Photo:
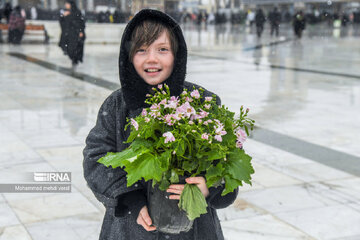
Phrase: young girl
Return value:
(153, 51)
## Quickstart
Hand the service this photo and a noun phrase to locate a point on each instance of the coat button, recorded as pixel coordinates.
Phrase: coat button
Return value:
(129, 212)
(136, 185)
(167, 236)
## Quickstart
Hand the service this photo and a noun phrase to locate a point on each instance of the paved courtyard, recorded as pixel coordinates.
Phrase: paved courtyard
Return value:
(304, 95)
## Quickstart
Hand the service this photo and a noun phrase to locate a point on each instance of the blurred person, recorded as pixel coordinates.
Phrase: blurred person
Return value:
(72, 33)
(117, 17)
(275, 19)
(7, 11)
(16, 26)
(107, 16)
(299, 23)
(344, 19)
(33, 13)
(250, 17)
(259, 22)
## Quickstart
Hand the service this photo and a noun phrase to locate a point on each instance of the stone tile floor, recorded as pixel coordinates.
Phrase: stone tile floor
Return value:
(46, 115)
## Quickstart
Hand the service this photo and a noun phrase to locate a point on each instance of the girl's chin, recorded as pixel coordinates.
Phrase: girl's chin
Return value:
(154, 82)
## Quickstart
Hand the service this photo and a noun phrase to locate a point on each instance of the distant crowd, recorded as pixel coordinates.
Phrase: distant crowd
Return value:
(201, 16)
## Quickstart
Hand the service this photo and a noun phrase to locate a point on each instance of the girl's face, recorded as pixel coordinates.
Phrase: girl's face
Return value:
(155, 63)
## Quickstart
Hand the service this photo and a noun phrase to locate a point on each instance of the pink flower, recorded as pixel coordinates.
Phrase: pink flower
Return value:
(188, 99)
(163, 102)
(155, 107)
(186, 109)
(172, 103)
(208, 121)
(219, 129)
(239, 144)
(208, 99)
(195, 94)
(218, 138)
(144, 112)
(134, 124)
(147, 119)
(207, 106)
(169, 137)
(205, 136)
(170, 119)
(241, 135)
(160, 86)
(191, 122)
(203, 114)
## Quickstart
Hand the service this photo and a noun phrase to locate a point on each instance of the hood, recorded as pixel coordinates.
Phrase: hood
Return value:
(134, 88)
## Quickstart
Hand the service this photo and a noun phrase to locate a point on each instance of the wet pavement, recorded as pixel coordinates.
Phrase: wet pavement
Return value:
(304, 95)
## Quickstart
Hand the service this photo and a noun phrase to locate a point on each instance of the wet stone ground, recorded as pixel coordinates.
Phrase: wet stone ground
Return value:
(304, 95)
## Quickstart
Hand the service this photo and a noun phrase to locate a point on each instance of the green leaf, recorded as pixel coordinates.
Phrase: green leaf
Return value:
(238, 166)
(132, 136)
(164, 184)
(174, 176)
(214, 154)
(164, 159)
(119, 159)
(180, 148)
(203, 166)
(214, 173)
(189, 165)
(230, 185)
(192, 201)
(146, 166)
(140, 144)
(214, 181)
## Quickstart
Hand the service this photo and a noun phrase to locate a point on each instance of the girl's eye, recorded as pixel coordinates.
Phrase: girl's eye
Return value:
(140, 50)
(164, 49)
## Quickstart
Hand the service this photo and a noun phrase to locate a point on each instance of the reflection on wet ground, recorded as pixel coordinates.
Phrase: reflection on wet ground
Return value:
(303, 93)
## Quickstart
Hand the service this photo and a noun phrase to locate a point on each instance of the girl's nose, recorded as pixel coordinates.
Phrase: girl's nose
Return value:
(152, 56)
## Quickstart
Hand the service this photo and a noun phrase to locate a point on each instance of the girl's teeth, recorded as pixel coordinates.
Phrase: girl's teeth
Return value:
(152, 70)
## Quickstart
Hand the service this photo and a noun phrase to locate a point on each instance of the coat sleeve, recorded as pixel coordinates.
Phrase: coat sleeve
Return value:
(215, 200)
(109, 185)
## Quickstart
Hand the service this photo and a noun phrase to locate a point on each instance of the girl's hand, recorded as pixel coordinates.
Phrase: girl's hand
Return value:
(178, 188)
(145, 220)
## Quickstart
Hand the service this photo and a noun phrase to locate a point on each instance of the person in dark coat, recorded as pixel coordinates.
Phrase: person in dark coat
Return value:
(72, 33)
(7, 12)
(299, 23)
(126, 215)
(275, 19)
(16, 26)
(259, 22)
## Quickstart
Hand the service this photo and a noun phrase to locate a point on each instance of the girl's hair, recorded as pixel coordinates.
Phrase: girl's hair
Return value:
(147, 32)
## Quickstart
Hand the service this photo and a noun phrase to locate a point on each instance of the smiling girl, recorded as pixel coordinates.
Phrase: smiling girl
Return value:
(153, 51)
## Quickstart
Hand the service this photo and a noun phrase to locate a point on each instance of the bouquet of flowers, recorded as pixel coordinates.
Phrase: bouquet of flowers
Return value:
(189, 135)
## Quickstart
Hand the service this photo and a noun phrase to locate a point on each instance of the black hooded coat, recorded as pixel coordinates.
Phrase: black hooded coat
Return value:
(123, 203)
